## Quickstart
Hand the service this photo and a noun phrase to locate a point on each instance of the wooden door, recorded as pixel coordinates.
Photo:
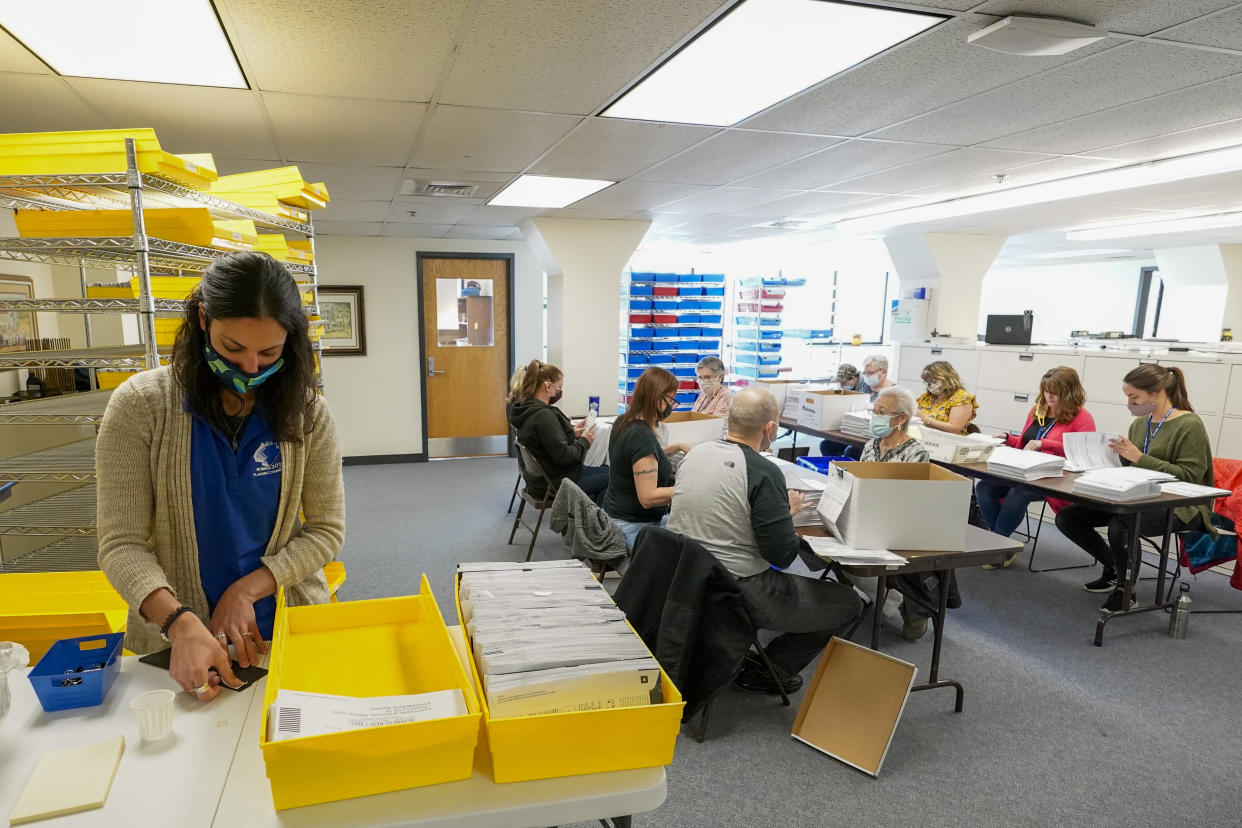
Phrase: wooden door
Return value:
(465, 353)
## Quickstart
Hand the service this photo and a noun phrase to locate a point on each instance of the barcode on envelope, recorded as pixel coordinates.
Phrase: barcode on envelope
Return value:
(290, 720)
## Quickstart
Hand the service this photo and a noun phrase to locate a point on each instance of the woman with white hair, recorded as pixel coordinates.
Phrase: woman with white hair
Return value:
(713, 397)
(890, 422)
(875, 374)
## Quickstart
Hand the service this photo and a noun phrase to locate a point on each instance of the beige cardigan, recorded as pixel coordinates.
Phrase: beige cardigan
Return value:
(146, 507)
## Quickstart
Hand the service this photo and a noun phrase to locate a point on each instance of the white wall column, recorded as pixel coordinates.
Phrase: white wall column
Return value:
(953, 266)
(1202, 291)
(583, 260)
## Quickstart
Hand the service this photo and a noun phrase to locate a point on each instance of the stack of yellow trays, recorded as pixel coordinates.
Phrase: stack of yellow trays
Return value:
(99, 151)
(189, 225)
(162, 287)
(285, 184)
(284, 250)
(266, 202)
(39, 609)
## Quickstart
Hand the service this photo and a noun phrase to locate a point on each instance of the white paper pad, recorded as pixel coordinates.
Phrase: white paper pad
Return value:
(839, 552)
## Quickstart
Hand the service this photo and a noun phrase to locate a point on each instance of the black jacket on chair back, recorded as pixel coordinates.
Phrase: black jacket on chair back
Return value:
(689, 611)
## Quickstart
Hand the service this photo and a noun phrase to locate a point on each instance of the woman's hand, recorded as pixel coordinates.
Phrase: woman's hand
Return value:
(234, 618)
(1034, 445)
(194, 651)
(796, 501)
(1125, 448)
(579, 427)
(589, 434)
(676, 448)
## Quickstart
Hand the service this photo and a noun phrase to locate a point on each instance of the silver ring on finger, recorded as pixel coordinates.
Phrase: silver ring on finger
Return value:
(247, 635)
(221, 637)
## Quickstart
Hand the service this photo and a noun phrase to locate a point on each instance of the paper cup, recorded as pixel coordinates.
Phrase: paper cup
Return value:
(154, 711)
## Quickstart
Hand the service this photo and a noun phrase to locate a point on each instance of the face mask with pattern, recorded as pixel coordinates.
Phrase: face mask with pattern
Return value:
(232, 377)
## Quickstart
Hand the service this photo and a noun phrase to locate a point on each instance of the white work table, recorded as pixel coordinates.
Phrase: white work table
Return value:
(211, 773)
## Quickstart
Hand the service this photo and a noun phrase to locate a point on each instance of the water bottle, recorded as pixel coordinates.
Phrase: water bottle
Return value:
(1179, 618)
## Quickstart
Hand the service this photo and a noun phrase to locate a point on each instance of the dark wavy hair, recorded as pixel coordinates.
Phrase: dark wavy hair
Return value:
(249, 286)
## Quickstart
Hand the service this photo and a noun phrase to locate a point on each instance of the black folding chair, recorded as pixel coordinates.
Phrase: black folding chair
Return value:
(534, 477)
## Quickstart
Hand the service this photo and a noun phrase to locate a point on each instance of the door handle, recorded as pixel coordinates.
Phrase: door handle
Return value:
(431, 367)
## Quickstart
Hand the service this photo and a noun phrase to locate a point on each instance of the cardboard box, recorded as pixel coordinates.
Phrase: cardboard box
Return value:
(853, 703)
(898, 506)
(823, 410)
(793, 398)
(692, 427)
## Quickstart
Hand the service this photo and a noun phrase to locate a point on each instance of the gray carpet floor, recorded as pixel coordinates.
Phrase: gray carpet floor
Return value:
(1144, 731)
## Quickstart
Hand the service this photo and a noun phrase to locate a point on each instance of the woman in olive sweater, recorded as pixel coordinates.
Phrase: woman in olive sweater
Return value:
(1165, 436)
(547, 434)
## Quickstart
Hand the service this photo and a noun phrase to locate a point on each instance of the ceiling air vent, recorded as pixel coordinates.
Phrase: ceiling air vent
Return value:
(451, 189)
(786, 224)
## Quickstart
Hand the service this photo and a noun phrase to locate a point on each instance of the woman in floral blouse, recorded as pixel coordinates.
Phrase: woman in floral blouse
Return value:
(890, 421)
(946, 406)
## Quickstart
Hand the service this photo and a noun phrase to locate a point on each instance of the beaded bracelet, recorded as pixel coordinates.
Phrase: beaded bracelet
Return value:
(172, 617)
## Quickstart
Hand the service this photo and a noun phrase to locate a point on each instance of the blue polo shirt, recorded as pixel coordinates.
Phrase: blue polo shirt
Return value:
(236, 501)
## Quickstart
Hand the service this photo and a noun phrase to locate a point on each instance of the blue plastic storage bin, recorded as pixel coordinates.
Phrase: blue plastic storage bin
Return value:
(687, 331)
(642, 277)
(711, 277)
(693, 345)
(641, 290)
(709, 345)
(689, 291)
(770, 334)
(821, 464)
(748, 358)
(640, 345)
(665, 333)
(636, 359)
(664, 304)
(711, 331)
(688, 304)
(711, 305)
(752, 345)
(689, 357)
(640, 304)
(665, 277)
(710, 318)
(687, 277)
(642, 333)
(713, 291)
(77, 672)
(686, 371)
(634, 373)
(687, 397)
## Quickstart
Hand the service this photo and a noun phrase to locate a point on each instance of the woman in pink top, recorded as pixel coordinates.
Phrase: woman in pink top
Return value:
(1058, 410)
(713, 397)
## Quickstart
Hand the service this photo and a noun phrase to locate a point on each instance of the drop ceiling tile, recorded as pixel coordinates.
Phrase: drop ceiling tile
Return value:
(477, 231)
(489, 140)
(385, 49)
(1121, 75)
(732, 155)
(803, 203)
(1200, 139)
(343, 131)
(417, 231)
(42, 103)
(1173, 112)
(949, 167)
(186, 118)
(1129, 16)
(632, 196)
(712, 225)
(568, 56)
(1224, 29)
(931, 71)
(1030, 174)
(838, 163)
(355, 181)
(724, 200)
(485, 216)
(432, 210)
(14, 57)
(340, 209)
(348, 228)
(605, 148)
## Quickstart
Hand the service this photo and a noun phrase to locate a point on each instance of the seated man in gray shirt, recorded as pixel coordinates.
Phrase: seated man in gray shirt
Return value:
(733, 501)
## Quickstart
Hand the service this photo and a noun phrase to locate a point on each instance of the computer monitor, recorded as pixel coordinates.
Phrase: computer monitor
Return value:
(1008, 330)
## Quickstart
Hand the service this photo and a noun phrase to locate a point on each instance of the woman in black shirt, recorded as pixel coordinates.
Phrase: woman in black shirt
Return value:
(547, 434)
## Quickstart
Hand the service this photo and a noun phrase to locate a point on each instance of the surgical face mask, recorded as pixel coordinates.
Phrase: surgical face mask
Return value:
(1141, 409)
(765, 442)
(872, 380)
(881, 425)
(666, 412)
(934, 388)
(707, 386)
(555, 398)
(234, 378)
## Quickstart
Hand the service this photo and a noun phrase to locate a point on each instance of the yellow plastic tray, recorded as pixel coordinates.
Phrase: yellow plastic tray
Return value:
(389, 646)
(189, 225)
(39, 609)
(335, 573)
(285, 184)
(162, 287)
(518, 749)
(260, 200)
(279, 248)
(97, 151)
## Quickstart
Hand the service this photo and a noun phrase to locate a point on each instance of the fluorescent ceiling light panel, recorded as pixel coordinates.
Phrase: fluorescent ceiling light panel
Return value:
(1123, 178)
(761, 52)
(1157, 228)
(547, 191)
(159, 41)
(1075, 254)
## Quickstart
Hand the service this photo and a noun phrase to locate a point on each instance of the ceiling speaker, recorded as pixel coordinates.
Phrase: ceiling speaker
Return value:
(1034, 36)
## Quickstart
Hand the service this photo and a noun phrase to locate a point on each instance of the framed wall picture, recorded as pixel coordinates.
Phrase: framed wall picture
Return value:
(17, 327)
(344, 320)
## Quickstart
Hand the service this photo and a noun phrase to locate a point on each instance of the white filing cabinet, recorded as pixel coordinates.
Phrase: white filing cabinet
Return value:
(1207, 383)
(1230, 442)
(912, 360)
(1102, 376)
(1233, 398)
(1002, 410)
(1020, 370)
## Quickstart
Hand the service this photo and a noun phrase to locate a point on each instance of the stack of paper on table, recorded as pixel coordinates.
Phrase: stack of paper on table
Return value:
(1122, 484)
(836, 550)
(68, 781)
(547, 638)
(811, 490)
(1085, 450)
(1020, 464)
(296, 714)
(857, 424)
